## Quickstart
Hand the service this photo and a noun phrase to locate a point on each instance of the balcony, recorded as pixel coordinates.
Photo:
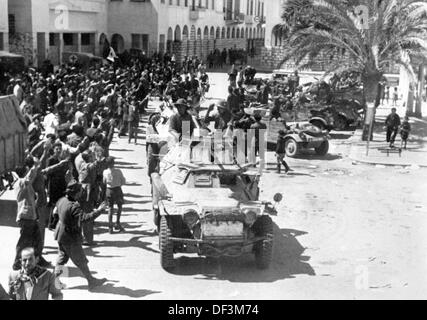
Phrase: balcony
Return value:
(232, 17)
(196, 13)
(249, 19)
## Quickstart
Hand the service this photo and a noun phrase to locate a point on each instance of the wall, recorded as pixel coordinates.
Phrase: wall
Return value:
(4, 25)
(126, 18)
(273, 12)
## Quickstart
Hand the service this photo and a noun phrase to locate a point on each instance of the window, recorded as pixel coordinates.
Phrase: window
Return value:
(136, 41)
(12, 26)
(68, 39)
(52, 40)
(86, 39)
(145, 39)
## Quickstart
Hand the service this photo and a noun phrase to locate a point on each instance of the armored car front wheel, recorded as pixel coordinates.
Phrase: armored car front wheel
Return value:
(166, 245)
(264, 248)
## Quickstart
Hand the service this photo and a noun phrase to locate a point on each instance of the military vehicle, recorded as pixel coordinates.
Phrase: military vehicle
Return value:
(212, 210)
(324, 104)
(301, 135)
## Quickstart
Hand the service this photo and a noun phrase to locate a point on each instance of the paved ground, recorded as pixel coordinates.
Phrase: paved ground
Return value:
(344, 231)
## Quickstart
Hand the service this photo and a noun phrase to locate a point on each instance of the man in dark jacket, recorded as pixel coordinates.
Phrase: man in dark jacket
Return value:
(32, 282)
(281, 152)
(392, 123)
(68, 233)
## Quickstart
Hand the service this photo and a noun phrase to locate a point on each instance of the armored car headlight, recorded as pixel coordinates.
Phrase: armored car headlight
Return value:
(191, 217)
(250, 216)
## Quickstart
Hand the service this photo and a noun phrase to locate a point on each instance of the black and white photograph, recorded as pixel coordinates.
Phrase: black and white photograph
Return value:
(213, 150)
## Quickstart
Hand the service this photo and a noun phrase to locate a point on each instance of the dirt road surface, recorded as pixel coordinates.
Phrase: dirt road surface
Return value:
(344, 231)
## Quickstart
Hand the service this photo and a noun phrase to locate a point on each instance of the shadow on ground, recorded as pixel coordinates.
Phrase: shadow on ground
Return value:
(110, 288)
(134, 242)
(8, 213)
(288, 262)
(311, 155)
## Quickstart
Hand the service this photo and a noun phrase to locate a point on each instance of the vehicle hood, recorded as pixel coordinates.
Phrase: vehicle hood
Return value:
(210, 198)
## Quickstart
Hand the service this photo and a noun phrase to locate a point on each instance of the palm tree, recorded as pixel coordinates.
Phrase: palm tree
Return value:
(394, 33)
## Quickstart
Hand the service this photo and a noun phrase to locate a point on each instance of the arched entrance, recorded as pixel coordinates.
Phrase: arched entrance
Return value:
(103, 45)
(118, 43)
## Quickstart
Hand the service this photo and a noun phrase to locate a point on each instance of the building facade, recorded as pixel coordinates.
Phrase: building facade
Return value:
(45, 29)
(4, 26)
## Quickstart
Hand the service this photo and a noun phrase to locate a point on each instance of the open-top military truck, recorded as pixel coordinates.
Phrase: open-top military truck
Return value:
(325, 105)
(13, 139)
(212, 210)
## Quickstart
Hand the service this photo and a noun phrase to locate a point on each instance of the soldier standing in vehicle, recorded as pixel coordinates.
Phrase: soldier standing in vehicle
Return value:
(178, 120)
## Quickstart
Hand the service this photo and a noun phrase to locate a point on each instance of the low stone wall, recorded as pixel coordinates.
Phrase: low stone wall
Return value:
(273, 57)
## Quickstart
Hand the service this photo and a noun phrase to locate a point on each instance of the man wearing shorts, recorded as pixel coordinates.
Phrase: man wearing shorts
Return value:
(114, 180)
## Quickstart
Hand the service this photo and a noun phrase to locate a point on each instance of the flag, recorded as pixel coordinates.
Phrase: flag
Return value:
(112, 55)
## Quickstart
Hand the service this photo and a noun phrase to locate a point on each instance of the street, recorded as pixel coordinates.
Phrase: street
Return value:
(344, 231)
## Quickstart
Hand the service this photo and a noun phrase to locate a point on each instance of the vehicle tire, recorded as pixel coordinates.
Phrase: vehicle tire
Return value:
(264, 249)
(323, 149)
(319, 124)
(292, 148)
(341, 123)
(166, 245)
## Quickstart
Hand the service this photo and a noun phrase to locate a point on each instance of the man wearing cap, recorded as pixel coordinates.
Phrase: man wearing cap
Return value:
(178, 120)
(68, 233)
(222, 118)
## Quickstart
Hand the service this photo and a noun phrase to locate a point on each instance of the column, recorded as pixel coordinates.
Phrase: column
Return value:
(79, 42)
(96, 44)
(60, 46)
(421, 85)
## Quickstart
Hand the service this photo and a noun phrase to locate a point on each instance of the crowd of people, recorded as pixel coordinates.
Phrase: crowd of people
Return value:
(218, 59)
(68, 178)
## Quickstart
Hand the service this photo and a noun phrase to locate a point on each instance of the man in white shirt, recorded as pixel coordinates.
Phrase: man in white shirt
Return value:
(51, 122)
(18, 92)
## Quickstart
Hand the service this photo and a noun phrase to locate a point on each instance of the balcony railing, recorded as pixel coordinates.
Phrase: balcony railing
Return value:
(196, 12)
(233, 17)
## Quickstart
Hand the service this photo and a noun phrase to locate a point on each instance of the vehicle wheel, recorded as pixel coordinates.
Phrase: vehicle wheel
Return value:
(264, 249)
(323, 149)
(319, 124)
(292, 148)
(341, 123)
(166, 246)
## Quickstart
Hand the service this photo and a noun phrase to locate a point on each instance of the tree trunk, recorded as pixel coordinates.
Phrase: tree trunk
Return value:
(421, 84)
(372, 94)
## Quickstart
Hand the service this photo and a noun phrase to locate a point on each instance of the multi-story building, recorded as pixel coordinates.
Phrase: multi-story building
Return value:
(4, 26)
(42, 29)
